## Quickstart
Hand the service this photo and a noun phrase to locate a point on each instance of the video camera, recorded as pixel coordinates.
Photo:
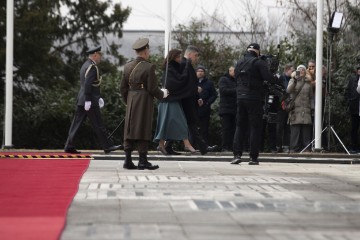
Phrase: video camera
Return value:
(274, 92)
(273, 88)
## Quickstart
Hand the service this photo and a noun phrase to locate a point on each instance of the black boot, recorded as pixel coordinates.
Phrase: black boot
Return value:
(253, 161)
(128, 164)
(144, 164)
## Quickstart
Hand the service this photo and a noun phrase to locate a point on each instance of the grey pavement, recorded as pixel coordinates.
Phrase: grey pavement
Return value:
(208, 199)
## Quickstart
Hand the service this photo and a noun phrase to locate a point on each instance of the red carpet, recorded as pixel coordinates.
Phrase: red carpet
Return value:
(35, 195)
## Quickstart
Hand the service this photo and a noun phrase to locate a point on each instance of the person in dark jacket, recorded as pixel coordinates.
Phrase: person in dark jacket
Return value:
(89, 103)
(138, 89)
(352, 97)
(189, 103)
(227, 108)
(283, 127)
(250, 74)
(171, 121)
(207, 96)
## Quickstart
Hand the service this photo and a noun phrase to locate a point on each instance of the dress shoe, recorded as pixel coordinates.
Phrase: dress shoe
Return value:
(237, 159)
(113, 148)
(130, 166)
(191, 150)
(253, 162)
(171, 151)
(211, 148)
(72, 150)
(147, 165)
(203, 151)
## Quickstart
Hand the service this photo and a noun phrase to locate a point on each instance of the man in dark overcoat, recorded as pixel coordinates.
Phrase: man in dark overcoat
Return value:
(138, 89)
(88, 104)
(190, 103)
(227, 108)
(207, 96)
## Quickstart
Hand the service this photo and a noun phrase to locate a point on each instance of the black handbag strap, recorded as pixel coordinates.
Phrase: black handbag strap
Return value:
(298, 92)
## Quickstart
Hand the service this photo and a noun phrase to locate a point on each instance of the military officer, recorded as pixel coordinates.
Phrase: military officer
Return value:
(138, 89)
(89, 103)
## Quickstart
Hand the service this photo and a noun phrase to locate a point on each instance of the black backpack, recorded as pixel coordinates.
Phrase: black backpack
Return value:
(244, 74)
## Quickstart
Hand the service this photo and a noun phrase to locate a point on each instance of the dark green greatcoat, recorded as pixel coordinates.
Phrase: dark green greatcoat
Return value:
(138, 89)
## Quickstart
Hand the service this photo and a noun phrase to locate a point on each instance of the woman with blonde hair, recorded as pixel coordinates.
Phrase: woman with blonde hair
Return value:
(300, 121)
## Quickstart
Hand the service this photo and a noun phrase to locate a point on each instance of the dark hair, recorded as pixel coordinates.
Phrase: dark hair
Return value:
(172, 55)
(288, 66)
(192, 48)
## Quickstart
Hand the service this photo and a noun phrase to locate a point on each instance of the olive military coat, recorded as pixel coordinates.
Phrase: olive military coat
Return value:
(138, 89)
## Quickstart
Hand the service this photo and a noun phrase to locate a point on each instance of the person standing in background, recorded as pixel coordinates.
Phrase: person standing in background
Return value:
(227, 108)
(207, 96)
(283, 127)
(352, 97)
(301, 90)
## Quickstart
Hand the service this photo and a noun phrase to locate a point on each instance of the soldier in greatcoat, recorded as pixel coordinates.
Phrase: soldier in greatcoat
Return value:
(88, 104)
(138, 89)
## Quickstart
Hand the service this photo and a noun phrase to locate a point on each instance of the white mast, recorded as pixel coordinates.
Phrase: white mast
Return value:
(9, 72)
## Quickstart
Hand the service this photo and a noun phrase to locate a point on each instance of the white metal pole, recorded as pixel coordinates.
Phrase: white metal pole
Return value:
(167, 28)
(319, 64)
(9, 72)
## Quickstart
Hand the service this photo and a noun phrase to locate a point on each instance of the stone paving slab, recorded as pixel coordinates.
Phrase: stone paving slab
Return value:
(325, 158)
(191, 200)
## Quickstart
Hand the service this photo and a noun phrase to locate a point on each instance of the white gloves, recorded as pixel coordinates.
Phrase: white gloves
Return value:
(87, 105)
(165, 91)
(101, 103)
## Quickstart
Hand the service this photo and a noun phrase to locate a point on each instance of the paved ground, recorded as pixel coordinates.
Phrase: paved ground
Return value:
(216, 200)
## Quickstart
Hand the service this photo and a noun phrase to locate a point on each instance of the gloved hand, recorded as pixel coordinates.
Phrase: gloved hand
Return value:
(166, 92)
(87, 105)
(101, 103)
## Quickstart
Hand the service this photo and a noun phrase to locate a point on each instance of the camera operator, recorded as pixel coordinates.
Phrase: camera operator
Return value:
(271, 108)
(283, 127)
(250, 74)
(273, 96)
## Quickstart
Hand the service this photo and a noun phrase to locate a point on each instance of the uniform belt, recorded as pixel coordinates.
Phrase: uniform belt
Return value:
(136, 86)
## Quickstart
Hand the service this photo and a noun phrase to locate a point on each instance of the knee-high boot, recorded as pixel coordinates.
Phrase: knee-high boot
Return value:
(128, 164)
(144, 163)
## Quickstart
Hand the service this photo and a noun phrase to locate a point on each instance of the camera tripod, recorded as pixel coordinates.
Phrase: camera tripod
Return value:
(327, 104)
(329, 129)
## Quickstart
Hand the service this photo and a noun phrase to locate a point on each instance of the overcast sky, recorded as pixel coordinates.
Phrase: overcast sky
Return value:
(150, 14)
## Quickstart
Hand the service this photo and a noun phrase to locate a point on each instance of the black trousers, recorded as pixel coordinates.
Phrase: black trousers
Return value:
(228, 124)
(96, 121)
(269, 133)
(204, 127)
(190, 110)
(249, 117)
(282, 129)
(355, 123)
